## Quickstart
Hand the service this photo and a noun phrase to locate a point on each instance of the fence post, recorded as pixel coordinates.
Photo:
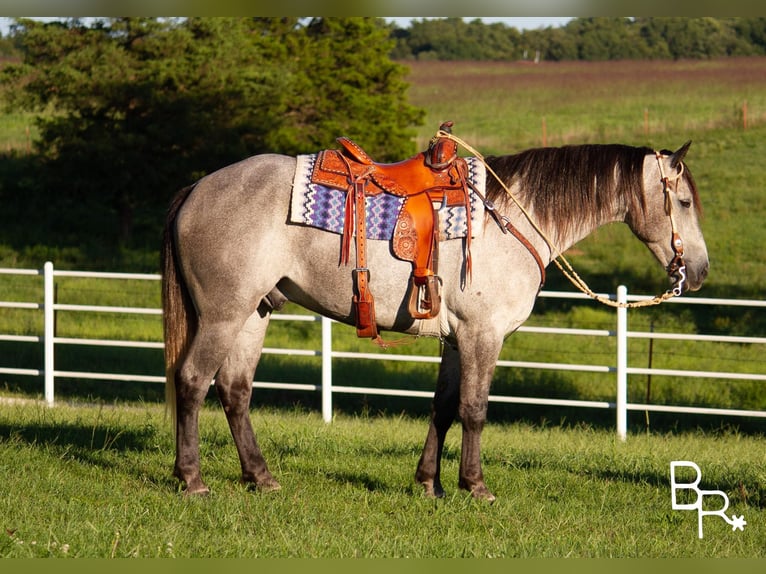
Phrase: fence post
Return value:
(48, 330)
(622, 364)
(326, 369)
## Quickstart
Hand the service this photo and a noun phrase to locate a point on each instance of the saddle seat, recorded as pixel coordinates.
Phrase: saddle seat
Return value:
(433, 177)
(414, 175)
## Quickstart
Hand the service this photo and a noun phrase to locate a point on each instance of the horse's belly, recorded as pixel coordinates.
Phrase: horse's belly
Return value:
(320, 283)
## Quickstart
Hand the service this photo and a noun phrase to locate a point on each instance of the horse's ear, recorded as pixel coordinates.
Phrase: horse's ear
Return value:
(679, 154)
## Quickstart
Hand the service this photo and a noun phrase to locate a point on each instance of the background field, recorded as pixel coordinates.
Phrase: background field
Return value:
(500, 106)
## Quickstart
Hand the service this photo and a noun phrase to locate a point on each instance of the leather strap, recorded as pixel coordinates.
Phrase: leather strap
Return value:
(531, 248)
(364, 304)
(507, 227)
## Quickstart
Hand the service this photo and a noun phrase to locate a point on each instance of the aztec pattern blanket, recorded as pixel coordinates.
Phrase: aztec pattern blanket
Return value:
(322, 207)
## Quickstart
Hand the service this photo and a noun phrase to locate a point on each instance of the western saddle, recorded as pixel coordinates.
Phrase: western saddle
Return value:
(435, 176)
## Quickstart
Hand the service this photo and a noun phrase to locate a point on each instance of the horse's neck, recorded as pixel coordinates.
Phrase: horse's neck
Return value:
(586, 228)
(561, 238)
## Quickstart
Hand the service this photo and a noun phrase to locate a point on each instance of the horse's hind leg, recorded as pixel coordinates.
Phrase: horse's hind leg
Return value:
(234, 386)
(206, 353)
(445, 406)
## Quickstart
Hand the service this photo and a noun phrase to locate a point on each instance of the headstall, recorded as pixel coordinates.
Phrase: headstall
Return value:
(677, 267)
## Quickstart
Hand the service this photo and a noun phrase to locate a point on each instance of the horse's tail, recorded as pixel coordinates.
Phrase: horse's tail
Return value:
(179, 320)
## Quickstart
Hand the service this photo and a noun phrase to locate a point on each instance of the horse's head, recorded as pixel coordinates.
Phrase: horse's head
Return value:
(669, 224)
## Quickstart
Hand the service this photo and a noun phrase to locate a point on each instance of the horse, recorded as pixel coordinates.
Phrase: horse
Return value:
(230, 256)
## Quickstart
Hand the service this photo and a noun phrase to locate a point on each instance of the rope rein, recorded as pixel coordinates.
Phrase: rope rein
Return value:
(563, 264)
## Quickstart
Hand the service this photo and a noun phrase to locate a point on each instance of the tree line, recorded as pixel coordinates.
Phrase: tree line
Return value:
(601, 38)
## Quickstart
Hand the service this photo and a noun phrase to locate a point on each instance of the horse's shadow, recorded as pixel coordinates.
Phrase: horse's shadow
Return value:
(90, 444)
(78, 436)
(358, 479)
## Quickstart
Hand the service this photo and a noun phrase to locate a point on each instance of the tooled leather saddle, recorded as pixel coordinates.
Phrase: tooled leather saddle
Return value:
(432, 177)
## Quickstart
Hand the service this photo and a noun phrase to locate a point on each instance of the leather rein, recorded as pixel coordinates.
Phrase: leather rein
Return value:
(676, 269)
(507, 227)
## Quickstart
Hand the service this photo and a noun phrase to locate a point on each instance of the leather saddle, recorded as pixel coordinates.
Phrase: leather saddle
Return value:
(431, 178)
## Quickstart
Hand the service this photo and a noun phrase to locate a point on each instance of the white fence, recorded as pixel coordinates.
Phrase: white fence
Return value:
(619, 367)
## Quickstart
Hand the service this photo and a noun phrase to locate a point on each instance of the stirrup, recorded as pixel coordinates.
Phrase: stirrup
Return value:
(427, 306)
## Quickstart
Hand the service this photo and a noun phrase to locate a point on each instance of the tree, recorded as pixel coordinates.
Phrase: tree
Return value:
(141, 105)
(702, 38)
(134, 108)
(753, 31)
(346, 84)
(600, 38)
(606, 38)
(561, 46)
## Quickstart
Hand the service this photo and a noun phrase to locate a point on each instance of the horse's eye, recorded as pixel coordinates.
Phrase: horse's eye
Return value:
(686, 203)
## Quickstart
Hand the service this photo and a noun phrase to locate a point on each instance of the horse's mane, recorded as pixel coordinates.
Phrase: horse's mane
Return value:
(572, 185)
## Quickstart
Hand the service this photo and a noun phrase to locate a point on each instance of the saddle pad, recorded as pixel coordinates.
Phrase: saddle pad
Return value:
(322, 207)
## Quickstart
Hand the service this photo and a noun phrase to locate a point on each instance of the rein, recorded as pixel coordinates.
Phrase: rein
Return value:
(677, 265)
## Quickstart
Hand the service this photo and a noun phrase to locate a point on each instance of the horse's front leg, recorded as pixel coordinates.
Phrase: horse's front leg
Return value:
(443, 413)
(478, 357)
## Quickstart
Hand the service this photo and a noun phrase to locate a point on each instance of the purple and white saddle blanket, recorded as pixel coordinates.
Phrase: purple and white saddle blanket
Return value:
(323, 207)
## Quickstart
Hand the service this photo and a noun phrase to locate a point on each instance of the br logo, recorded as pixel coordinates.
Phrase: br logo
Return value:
(736, 522)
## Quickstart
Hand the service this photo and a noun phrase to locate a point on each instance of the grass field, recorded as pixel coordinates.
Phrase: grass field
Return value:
(95, 482)
(500, 106)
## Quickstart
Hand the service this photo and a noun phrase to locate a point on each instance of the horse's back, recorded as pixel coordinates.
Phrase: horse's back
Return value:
(249, 186)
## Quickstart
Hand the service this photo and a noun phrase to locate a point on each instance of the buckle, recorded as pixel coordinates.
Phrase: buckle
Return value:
(357, 270)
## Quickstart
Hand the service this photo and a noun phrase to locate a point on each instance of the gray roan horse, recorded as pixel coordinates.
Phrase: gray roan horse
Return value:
(230, 255)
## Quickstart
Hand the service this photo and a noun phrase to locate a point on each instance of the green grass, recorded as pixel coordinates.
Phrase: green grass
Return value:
(88, 481)
(17, 131)
(501, 105)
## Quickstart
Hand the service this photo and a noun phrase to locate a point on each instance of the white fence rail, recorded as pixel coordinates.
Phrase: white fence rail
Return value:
(619, 367)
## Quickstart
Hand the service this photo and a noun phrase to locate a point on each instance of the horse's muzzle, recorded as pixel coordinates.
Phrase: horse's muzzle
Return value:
(695, 276)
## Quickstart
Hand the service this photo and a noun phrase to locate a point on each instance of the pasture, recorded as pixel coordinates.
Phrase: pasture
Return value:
(87, 480)
(501, 107)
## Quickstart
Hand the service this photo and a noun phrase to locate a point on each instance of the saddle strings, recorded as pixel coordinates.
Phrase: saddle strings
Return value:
(556, 256)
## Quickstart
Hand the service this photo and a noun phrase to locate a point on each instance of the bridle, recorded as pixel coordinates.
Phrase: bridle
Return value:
(676, 269)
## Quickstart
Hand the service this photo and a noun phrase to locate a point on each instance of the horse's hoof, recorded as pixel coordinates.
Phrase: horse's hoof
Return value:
(431, 490)
(193, 486)
(483, 493)
(478, 491)
(196, 492)
(269, 486)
